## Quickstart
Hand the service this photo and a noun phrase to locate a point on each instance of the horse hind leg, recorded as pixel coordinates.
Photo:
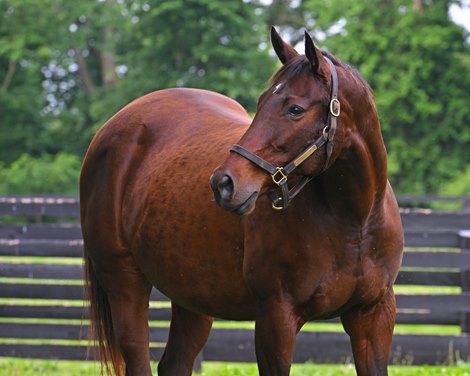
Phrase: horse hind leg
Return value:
(129, 308)
(188, 334)
(119, 300)
(371, 332)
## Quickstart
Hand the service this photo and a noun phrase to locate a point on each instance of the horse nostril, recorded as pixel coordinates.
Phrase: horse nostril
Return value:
(225, 187)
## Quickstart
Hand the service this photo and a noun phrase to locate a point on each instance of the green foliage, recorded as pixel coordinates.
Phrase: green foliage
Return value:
(45, 174)
(61, 80)
(416, 61)
(201, 43)
(459, 185)
(64, 79)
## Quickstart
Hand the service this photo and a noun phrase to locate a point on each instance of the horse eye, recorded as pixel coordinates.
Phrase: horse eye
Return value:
(295, 110)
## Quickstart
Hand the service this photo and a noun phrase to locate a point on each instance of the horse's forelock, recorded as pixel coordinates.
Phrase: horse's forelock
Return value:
(290, 70)
(296, 66)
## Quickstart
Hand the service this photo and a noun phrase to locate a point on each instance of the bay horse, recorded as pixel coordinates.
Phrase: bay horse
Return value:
(298, 222)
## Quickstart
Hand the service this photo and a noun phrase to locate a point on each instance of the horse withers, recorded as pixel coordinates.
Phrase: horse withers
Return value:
(298, 222)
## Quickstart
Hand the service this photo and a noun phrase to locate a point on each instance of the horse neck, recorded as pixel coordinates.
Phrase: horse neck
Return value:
(354, 186)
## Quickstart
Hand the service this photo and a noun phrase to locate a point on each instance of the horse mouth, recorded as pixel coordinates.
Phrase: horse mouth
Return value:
(247, 207)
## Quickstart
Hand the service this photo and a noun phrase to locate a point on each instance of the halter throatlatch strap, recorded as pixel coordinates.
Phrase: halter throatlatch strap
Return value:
(333, 114)
(279, 174)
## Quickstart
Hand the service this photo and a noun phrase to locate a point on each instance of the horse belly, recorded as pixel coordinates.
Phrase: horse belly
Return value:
(196, 260)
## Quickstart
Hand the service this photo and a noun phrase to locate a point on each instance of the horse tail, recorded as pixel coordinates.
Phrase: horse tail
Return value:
(101, 336)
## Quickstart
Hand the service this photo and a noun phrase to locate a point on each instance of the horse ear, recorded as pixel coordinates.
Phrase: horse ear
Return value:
(313, 54)
(283, 50)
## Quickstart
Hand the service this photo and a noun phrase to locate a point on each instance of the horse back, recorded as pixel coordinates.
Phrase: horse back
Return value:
(158, 133)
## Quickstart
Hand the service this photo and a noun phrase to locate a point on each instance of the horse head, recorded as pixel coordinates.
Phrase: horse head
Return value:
(302, 124)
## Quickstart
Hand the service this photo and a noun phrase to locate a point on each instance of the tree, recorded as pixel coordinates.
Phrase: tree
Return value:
(42, 103)
(417, 63)
(61, 80)
(64, 79)
(290, 17)
(22, 53)
(216, 45)
(41, 175)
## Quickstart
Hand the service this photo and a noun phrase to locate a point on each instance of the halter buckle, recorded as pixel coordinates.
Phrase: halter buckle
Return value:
(278, 180)
(335, 107)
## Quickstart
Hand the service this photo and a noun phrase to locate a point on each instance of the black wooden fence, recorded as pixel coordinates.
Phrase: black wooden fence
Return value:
(41, 307)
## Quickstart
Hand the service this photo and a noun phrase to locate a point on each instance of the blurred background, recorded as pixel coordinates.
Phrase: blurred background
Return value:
(67, 66)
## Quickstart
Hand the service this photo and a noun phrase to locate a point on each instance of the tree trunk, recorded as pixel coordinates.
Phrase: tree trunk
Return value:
(9, 76)
(108, 65)
(418, 5)
(84, 72)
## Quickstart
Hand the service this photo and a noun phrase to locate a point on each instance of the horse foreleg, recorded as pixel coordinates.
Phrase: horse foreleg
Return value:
(371, 331)
(188, 334)
(275, 331)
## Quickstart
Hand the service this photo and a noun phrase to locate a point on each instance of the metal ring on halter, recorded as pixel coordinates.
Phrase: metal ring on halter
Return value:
(335, 107)
(273, 205)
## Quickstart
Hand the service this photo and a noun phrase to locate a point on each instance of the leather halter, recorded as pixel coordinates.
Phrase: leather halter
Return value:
(279, 174)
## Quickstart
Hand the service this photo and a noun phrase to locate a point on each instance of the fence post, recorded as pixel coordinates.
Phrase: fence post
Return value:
(198, 362)
(464, 236)
(466, 203)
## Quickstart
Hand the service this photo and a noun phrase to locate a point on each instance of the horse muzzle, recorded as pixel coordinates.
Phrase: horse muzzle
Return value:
(240, 202)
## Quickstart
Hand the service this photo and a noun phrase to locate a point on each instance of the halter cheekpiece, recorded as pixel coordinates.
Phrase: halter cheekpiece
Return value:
(279, 174)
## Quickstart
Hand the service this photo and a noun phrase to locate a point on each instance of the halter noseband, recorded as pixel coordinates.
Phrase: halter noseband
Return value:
(279, 174)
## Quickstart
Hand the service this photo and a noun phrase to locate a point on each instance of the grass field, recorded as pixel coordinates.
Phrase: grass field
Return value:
(27, 367)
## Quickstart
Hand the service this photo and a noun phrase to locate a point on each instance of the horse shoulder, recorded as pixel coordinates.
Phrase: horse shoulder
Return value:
(382, 250)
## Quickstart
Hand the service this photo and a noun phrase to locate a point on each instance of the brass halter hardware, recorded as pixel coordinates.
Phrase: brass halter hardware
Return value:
(279, 177)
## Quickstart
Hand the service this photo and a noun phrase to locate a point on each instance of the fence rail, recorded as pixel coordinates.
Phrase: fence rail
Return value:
(41, 293)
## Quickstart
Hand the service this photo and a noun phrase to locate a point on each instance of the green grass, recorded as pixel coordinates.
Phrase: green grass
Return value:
(427, 290)
(337, 327)
(41, 302)
(43, 281)
(28, 367)
(231, 369)
(250, 325)
(40, 260)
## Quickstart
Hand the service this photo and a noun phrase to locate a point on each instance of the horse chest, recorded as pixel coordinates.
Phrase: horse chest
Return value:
(322, 278)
